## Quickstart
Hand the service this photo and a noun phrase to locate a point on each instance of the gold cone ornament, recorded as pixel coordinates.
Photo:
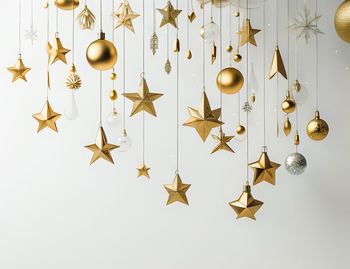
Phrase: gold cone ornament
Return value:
(192, 16)
(204, 119)
(230, 80)
(143, 171)
(247, 33)
(18, 71)
(86, 19)
(177, 191)
(125, 15)
(169, 15)
(287, 127)
(101, 148)
(246, 206)
(101, 54)
(288, 105)
(56, 51)
(264, 169)
(47, 118)
(317, 129)
(222, 141)
(67, 4)
(277, 65)
(342, 22)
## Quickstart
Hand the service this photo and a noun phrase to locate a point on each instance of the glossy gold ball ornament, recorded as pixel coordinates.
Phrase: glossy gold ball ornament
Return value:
(229, 48)
(237, 57)
(342, 21)
(288, 106)
(113, 76)
(240, 130)
(101, 54)
(113, 95)
(230, 80)
(317, 129)
(67, 4)
(237, 14)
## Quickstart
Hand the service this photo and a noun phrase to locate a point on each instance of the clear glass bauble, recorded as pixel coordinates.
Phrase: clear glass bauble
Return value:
(113, 119)
(71, 110)
(124, 142)
(211, 32)
(299, 93)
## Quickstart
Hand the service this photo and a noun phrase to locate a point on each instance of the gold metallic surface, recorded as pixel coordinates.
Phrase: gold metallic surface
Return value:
(201, 31)
(296, 139)
(176, 45)
(73, 81)
(237, 14)
(229, 48)
(213, 53)
(143, 171)
(46, 4)
(192, 16)
(237, 57)
(287, 127)
(264, 169)
(240, 130)
(288, 105)
(247, 33)
(277, 65)
(47, 118)
(86, 19)
(56, 51)
(101, 148)
(169, 15)
(113, 76)
(143, 99)
(204, 119)
(167, 67)
(317, 129)
(230, 80)
(342, 21)
(125, 15)
(189, 54)
(297, 86)
(101, 54)
(154, 43)
(253, 98)
(67, 4)
(222, 141)
(113, 95)
(18, 70)
(246, 206)
(177, 191)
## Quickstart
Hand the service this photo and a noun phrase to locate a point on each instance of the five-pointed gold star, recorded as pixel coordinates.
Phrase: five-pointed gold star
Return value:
(246, 206)
(177, 191)
(125, 15)
(264, 169)
(169, 15)
(56, 52)
(143, 171)
(101, 148)
(247, 33)
(143, 99)
(18, 70)
(47, 118)
(277, 65)
(222, 141)
(204, 119)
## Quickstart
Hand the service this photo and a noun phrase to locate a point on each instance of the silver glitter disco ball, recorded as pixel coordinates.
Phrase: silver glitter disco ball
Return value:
(295, 163)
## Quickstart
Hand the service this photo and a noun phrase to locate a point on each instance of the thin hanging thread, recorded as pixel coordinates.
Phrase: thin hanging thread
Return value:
(101, 15)
(277, 77)
(188, 25)
(238, 25)
(124, 80)
(19, 27)
(203, 50)
(239, 93)
(56, 21)
(154, 15)
(113, 83)
(220, 14)
(177, 99)
(317, 74)
(100, 99)
(47, 41)
(73, 34)
(143, 72)
(31, 14)
(247, 113)
(288, 47)
(264, 70)
(230, 21)
(167, 41)
(296, 74)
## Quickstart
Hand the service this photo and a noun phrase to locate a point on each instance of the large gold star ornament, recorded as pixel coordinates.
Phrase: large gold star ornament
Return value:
(143, 171)
(101, 148)
(18, 70)
(222, 141)
(247, 33)
(56, 51)
(47, 118)
(204, 119)
(246, 206)
(177, 191)
(264, 169)
(125, 15)
(169, 15)
(143, 99)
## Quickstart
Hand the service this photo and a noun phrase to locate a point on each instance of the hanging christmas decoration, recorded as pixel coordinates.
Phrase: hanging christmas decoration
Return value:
(73, 80)
(342, 22)
(288, 105)
(177, 191)
(247, 107)
(230, 80)
(125, 15)
(169, 15)
(240, 129)
(124, 142)
(213, 53)
(287, 127)
(86, 18)
(67, 4)
(222, 141)
(247, 33)
(154, 42)
(30, 33)
(56, 51)
(210, 32)
(167, 66)
(295, 163)
(143, 171)
(191, 14)
(277, 65)
(299, 92)
(47, 118)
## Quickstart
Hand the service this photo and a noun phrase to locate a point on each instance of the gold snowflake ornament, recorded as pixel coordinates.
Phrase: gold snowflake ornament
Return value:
(73, 80)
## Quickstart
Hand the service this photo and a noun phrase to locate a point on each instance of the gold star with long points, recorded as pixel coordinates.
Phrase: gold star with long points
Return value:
(169, 15)
(47, 118)
(222, 141)
(247, 33)
(18, 70)
(246, 206)
(125, 15)
(143, 171)
(264, 169)
(143, 99)
(277, 65)
(101, 148)
(204, 119)
(177, 191)
(56, 52)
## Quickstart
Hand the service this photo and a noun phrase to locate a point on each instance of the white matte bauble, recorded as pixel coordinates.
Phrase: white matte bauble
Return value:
(124, 142)
(113, 119)
(211, 32)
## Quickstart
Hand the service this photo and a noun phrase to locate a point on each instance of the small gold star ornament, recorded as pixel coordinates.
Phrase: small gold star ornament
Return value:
(125, 15)
(56, 51)
(47, 118)
(246, 206)
(247, 33)
(277, 65)
(177, 191)
(169, 15)
(18, 70)
(222, 141)
(143, 171)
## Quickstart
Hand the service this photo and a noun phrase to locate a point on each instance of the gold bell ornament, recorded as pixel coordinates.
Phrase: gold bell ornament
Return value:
(317, 129)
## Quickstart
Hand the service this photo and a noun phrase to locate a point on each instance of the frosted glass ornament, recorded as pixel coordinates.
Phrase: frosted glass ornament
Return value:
(124, 142)
(113, 119)
(71, 110)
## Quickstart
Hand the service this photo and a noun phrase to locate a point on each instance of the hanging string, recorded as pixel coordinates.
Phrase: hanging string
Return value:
(230, 18)
(277, 77)
(101, 15)
(238, 25)
(167, 41)
(154, 15)
(188, 25)
(203, 50)
(264, 71)
(113, 83)
(56, 21)
(73, 33)
(19, 28)
(47, 41)
(239, 93)
(317, 74)
(100, 100)
(296, 74)
(177, 98)
(124, 79)
(220, 14)
(143, 72)
(288, 47)
(247, 113)
(31, 14)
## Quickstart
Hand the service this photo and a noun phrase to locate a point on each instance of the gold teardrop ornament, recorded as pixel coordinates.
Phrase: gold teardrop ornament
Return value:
(201, 31)
(213, 53)
(176, 45)
(113, 95)
(317, 129)
(189, 55)
(113, 76)
(287, 127)
(67, 4)
(253, 98)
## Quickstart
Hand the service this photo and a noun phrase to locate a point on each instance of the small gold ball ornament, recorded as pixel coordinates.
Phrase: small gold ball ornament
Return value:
(237, 57)
(240, 130)
(229, 48)
(317, 129)
(45, 4)
(113, 76)
(342, 21)
(67, 4)
(237, 14)
(288, 106)
(189, 55)
(101, 54)
(113, 95)
(230, 80)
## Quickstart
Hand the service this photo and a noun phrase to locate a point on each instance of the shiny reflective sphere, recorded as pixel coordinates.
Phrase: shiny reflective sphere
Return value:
(113, 95)
(288, 105)
(342, 22)
(295, 163)
(317, 129)
(101, 55)
(230, 80)
(240, 130)
(113, 76)
(124, 143)
(67, 4)
(237, 57)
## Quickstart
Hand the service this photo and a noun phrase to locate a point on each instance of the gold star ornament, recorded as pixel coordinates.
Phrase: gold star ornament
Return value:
(101, 148)
(56, 51)
(143, 171)
(143, 99)
(177, 191)
(277, 65)
(47, 118)
(125, 15)
(246, 206)
(169, 15)
(247, 33)
(222, 141)
(18, 70)
(264, 169)
(204, 119)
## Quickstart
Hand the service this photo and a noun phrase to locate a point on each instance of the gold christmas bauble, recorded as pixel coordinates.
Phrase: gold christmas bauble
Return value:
(229, 48)
(288, 105)
(230, 80)
(113, 95)
(201, 31)
(237, 14)
(237, 57)
(67, 4)
(101, 54)
(317, 129)
(342, 21)
(113, 76)
(240, 130)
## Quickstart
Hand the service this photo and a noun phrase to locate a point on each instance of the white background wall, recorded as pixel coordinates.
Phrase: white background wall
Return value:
(57, 212)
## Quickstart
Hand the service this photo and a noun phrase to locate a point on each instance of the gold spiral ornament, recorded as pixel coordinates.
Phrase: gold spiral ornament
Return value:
(230, 80)
(342, 21)
(67, 4)
(317, 129)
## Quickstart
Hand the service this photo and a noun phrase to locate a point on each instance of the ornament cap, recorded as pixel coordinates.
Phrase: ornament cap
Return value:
(317, 115)
(264, 149)
(247, 188)
(101, 35)
(124, 132)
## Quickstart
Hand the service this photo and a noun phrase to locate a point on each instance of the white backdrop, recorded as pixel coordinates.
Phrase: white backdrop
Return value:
(57, 212)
